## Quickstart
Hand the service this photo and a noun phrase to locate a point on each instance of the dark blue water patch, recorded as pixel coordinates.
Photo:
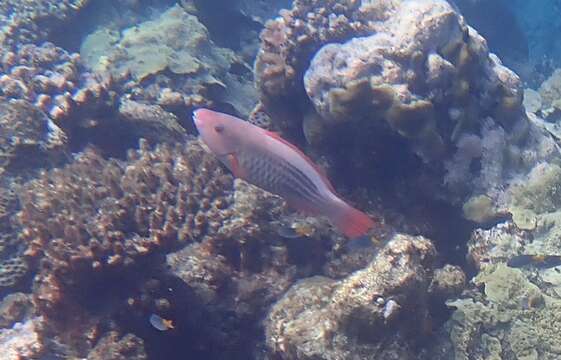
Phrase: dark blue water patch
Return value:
(408, 190)
(227, 25)
(201, 331)
(496, 21)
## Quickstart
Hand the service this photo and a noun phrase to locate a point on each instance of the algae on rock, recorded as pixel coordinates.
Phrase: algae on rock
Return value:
(176, 41)
(173, 53)
(511, 320)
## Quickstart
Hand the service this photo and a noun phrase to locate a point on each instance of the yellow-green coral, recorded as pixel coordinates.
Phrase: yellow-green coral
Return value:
(508, 322)
(175, 41)
(541, 192)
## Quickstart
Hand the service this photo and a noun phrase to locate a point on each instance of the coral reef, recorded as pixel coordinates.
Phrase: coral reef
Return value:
(56, 82)
(391, 90)
(174, 63)
(29, 140)
(115, 347)
(510, 319)
(379, 78)
(98, 216)
(28, 136)
(34, 20)
(289, 42)
(236, 275)
(402, 102)
(99, 222)
(370, 314)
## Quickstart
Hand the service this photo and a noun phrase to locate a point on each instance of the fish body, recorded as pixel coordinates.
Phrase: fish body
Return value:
(537, 261)
(160, 323)
(264, 159)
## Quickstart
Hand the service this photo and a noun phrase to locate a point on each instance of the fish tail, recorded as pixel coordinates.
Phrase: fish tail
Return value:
(350, 221)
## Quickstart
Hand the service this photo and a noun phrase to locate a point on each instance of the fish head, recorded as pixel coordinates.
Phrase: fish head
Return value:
(220, 132)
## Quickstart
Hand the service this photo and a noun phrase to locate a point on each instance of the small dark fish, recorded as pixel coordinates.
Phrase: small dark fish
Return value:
(160, 323)
(296, 230)
(538, 261)
(363, 243)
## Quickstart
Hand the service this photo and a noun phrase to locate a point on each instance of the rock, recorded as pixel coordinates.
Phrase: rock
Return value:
(532, 100)
(367, 314)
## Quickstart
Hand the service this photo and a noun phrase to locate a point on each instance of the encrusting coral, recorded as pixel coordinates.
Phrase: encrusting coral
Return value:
(173, 63)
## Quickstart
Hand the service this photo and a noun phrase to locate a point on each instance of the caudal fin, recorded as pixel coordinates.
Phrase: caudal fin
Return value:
(350, 221)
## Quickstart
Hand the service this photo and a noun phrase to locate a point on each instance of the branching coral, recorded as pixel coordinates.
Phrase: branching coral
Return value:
(56, 82)
(34, 20)
(96, 215)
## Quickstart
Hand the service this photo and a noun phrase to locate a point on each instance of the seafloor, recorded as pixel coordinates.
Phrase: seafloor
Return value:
(121, 237)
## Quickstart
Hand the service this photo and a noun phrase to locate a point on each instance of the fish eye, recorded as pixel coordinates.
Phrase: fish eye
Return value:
(219, 128)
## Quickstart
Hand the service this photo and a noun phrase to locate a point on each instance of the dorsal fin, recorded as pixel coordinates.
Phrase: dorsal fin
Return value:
(318, 168)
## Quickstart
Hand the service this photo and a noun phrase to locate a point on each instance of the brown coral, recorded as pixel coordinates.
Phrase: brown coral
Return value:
(98, 214)
(289, 42)
(57, 82)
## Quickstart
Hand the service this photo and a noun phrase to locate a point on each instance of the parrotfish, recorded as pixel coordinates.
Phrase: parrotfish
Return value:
(266, 160)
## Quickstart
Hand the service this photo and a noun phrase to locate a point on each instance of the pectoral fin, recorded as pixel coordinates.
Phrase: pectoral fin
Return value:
(231, 161)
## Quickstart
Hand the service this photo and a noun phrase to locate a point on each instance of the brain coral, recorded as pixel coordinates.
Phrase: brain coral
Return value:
(97, 214)
(27, 134)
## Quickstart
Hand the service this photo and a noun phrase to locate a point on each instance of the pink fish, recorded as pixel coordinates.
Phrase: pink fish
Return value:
(264, 159)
